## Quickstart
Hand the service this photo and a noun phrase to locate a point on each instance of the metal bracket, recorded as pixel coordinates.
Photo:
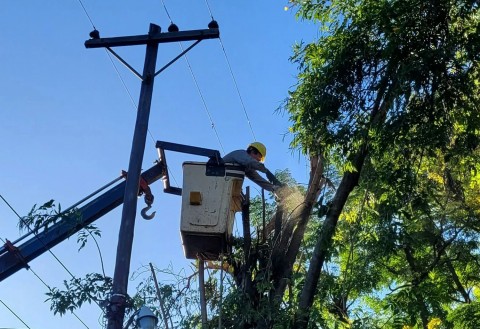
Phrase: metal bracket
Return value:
(214, 169)
(14, 250)
(214, 164)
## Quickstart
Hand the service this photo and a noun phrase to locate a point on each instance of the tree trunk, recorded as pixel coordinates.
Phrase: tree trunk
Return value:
(286, 251)
(459, 285)
(424, 313)
(349, 181)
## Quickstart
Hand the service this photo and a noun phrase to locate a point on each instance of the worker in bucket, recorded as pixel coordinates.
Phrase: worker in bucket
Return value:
(252, 159)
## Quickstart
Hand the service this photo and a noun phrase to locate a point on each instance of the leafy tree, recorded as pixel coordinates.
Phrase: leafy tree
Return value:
(398, 76)
(386, 233)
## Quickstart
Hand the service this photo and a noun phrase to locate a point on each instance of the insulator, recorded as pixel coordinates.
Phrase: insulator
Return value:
(173, 28)
(95, 34)
(213, 24)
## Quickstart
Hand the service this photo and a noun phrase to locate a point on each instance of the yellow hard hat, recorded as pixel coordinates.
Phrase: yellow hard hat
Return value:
(260, 148)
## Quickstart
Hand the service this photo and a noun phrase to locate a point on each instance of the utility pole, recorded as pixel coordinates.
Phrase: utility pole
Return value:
(117, 303)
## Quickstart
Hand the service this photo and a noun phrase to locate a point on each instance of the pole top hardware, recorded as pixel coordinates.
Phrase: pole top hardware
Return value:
(173, 28)
(158, 37)
(95, 34)
(213, 24)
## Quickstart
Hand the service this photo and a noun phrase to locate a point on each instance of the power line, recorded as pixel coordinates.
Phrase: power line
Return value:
(115, 68)
(231, 73)
(213, 126)
(48, 249)
(203, 101)
(9, 206)
(233, 77)
(86, 13)
(38, 238)
(50, 289)
(197, 86)
(46, 285)
(135, 106)
(166, 11)
(238, 90)
(21, 219)
(15, 314)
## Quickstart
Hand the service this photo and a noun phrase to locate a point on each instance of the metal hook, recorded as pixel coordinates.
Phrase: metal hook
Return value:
(145, 215)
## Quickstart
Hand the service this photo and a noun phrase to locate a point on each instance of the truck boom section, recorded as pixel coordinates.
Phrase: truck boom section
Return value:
(13, 258)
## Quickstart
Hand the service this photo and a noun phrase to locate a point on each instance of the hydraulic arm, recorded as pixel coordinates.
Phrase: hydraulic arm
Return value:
(14, 257)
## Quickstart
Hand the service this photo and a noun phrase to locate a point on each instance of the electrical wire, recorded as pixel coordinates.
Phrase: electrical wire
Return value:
(9, 206)
(134, 104)
(234, 79)
(86, 13)
(48, 249)
(38, 238)
(203, 101)
(212, 123)
(238, 90)
(213, 126)
(151, 136)
(197, 85)
(231, 73)
(15, 314)
(116, 69)
(166, 11)
(50, 289)
(199, 90)
(46, 285)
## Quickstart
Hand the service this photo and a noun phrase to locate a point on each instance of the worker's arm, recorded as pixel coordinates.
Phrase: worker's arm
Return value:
(251, 166)
(242, 158)
(259, 180)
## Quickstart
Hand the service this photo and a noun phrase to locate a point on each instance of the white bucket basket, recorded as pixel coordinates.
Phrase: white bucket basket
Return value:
(211, 195)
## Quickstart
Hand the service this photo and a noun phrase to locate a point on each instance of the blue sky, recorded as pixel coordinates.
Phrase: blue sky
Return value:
(67, 121)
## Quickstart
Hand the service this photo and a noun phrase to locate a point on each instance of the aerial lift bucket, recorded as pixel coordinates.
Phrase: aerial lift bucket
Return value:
(211, 195)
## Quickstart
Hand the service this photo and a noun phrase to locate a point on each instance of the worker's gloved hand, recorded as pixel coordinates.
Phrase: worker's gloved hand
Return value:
(271, 177)
(277, 192)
